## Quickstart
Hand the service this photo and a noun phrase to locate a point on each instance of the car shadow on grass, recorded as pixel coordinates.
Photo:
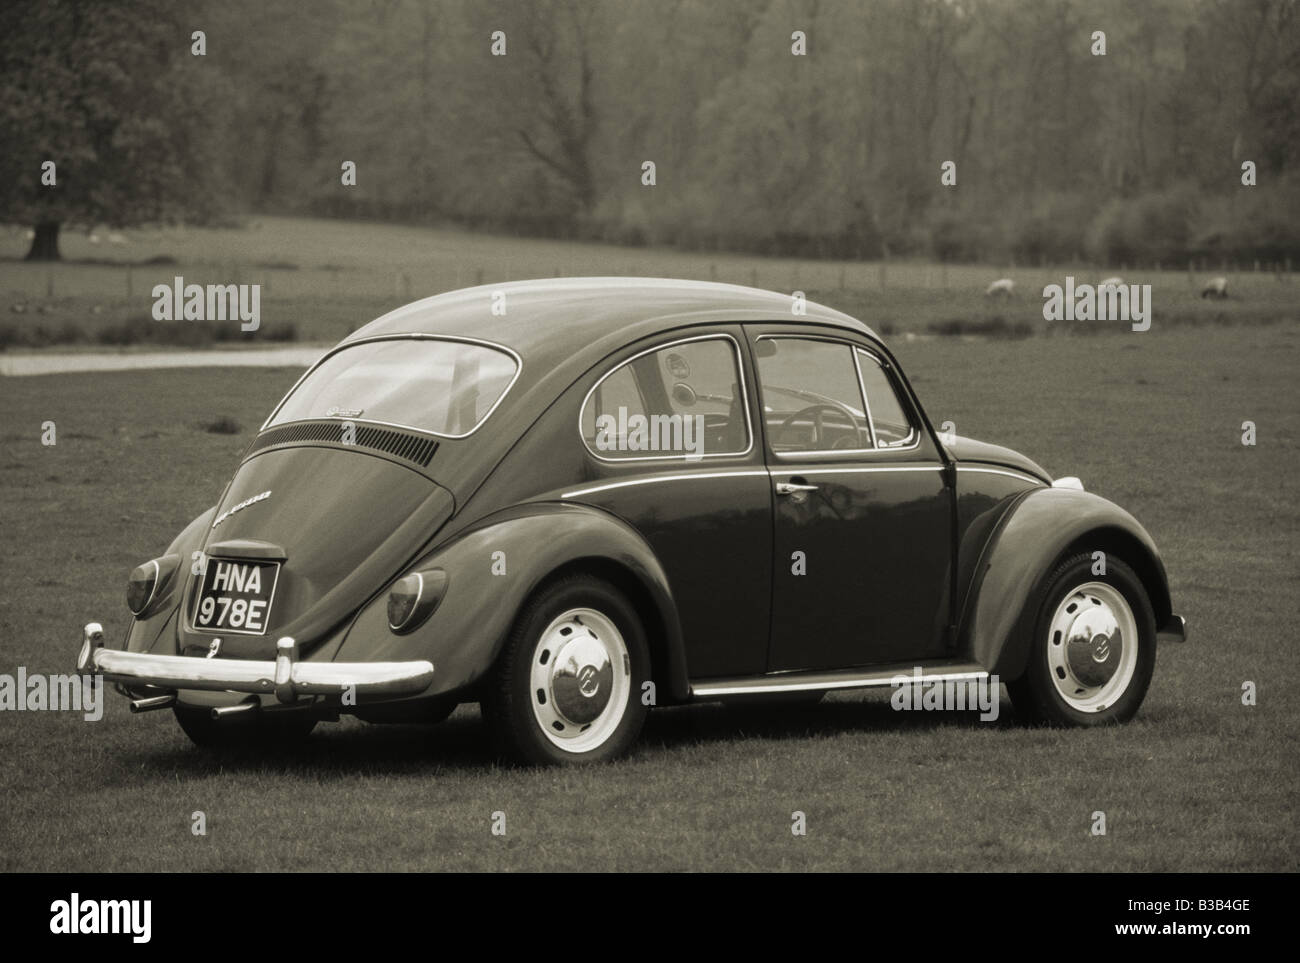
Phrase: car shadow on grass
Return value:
(716, 722)
(462, 744)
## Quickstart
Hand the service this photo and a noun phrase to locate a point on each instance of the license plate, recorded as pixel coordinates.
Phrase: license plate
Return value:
(235, 596)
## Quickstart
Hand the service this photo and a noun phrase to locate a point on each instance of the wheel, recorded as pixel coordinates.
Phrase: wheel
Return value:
(567, 686)
(275, 730)
(1093, 648)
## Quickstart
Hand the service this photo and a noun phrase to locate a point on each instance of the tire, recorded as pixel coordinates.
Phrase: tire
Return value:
(1076, 674)
(560, 695)
(260, 732)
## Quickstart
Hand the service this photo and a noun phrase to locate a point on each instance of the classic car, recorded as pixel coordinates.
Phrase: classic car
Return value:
(571, 500)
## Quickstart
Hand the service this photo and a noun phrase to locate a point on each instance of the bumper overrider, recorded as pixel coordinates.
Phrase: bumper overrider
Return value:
(289, 679)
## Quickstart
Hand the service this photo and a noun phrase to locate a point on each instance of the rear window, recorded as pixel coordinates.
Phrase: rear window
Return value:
(444, 387)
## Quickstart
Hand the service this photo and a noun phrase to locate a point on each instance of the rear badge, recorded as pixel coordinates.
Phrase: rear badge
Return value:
(337, 412)
(240, 507)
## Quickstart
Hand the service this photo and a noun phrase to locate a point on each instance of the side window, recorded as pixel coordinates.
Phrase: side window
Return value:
(682, 400)
(888, 416)
(811, 397)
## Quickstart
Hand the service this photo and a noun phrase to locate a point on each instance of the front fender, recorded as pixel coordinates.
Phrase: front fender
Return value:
(492, 569)
(1042, 527)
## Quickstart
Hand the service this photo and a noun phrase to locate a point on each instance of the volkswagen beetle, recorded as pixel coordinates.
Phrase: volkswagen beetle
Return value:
(570, 500)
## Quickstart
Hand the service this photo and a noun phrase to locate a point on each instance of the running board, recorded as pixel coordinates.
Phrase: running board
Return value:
(824, 681)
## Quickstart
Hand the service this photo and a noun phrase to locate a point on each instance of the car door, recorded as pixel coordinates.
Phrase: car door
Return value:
(862, 517)
(672, 450)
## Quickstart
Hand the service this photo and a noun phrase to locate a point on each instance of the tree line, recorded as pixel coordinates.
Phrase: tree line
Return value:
(951, 129)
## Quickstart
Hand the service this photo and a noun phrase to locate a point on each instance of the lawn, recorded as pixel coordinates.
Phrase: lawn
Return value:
(1197, 782)
(322, 279)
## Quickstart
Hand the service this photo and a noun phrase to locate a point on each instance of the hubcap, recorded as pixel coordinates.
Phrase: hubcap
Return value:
(1092, 646)
(580, 679)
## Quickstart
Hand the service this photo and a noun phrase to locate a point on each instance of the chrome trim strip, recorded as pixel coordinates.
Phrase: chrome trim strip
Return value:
(866, 402)
(744, 397)
(414, 336)
(818, 470)
(655, 479)
(762, 684)
(1010, 473)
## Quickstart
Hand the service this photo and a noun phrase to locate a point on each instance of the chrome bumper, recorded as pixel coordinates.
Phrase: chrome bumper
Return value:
(287, 677)
(1175, 630)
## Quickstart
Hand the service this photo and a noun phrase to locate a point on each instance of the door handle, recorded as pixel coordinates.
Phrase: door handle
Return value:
(791, 488)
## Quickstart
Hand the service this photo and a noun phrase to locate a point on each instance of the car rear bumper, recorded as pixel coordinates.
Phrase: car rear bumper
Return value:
(287, 678)
(1175, 630)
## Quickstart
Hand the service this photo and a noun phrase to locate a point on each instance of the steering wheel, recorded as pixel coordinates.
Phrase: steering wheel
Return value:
(816, 411)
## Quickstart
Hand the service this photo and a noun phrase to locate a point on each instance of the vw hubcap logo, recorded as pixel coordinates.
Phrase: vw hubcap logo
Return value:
(588, 684)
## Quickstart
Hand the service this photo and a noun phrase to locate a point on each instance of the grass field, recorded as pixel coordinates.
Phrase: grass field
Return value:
(1197, 782)
(322, 279)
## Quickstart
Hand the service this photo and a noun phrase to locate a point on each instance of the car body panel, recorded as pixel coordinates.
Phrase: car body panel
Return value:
(339, 547)
(493, 569)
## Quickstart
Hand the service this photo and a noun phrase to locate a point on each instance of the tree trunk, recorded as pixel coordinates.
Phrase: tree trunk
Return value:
(45, 245)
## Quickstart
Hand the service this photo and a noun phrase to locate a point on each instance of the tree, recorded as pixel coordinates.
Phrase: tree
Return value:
(112, 97)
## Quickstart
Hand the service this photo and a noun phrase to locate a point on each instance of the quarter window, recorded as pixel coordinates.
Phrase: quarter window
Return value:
(682, 400)
(888, 417)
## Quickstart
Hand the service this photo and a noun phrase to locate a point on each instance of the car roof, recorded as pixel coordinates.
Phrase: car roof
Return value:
(548, 319)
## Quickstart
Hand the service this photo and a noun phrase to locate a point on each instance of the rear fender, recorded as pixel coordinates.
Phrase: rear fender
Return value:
(495, 566)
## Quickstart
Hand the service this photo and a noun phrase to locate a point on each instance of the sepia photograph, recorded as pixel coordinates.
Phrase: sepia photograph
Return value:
(650, 437)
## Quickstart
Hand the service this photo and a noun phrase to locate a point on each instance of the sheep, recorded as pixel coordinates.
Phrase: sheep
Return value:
(1002, 287)
(1115, 282)
(117, 238)
(1215, 288)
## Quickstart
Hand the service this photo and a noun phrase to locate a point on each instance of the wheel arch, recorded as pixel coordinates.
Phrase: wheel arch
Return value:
(667, 667)
(1045, 526)
(495, 567)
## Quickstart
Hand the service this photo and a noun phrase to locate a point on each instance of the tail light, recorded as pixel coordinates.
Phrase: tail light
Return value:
(413, 598)
(150, 583)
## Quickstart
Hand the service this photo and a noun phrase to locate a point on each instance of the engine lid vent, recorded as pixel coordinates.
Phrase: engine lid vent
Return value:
(406, 445)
